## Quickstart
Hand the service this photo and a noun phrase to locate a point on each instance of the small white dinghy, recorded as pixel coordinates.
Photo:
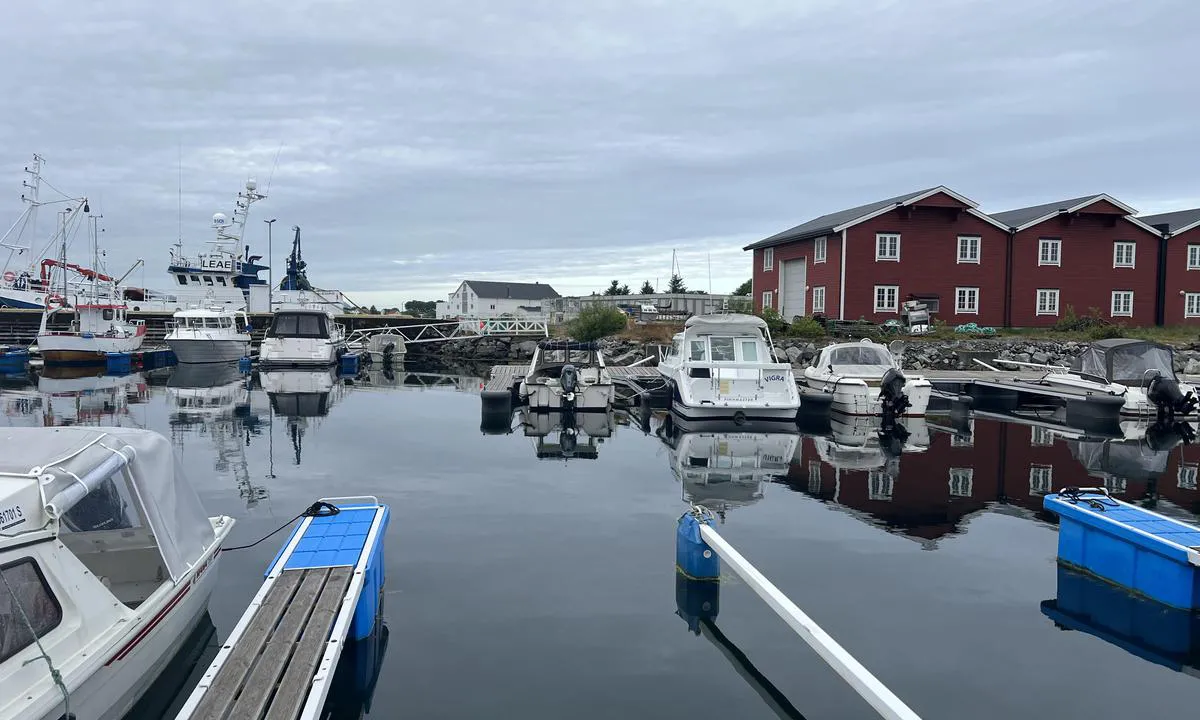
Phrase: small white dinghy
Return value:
(865, 378)
(107, 561)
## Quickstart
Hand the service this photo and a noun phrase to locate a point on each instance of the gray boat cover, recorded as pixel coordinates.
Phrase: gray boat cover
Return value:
(1125, 361)
(72, 462)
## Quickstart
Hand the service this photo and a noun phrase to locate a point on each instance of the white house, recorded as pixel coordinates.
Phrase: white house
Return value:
(485, 299)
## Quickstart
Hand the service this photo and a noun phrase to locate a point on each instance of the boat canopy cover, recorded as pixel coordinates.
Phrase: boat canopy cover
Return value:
(78, 464)
(567, 345)
(855, 359)
(1125, 361)
(1127, 460)
(724, 323)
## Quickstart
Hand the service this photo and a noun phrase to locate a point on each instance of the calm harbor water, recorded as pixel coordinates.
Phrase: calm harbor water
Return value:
(522, 584)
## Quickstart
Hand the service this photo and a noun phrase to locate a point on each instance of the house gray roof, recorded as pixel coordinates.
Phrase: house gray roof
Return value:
(512, 291)
(826, 223)
(1020, 216)
(1174, 221)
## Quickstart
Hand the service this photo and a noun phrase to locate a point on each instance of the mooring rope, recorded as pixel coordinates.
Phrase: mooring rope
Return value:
(317, 509)
(1075, 495)
(54, 672)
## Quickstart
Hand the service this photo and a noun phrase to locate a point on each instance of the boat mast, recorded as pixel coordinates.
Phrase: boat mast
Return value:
(29, 216)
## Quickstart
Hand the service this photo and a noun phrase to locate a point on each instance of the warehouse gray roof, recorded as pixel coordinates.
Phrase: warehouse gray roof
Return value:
(826, 223)
(1177, 221)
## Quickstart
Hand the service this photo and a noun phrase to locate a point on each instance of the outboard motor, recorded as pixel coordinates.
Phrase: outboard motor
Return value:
(1168, 399)
(569, 380)
(1165, 435)
(891, 392)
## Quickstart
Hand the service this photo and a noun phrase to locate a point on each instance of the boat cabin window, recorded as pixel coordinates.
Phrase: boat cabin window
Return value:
(699, 351)
(226, 322)
(749, 350)
(182, 279)
(722, 349)
(859, 355)
(212, 322)
(24, 593)
(676, 348)
(300, 326)
(196, 279)
(221, 279)
(107, 314)
(208, 280)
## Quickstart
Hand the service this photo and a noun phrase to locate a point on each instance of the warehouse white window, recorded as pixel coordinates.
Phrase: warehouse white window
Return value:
(819, 250)
(768, 299)
(1123, 254)
(887, 246)
(968, 248)
(1049, 251)
(1193, 257)
(769, 259)
(966, 301)
(962, 481)
(1122, 303)
(880, 485)
(1047, 301)
(1191, 305)
(887, 298)
(818, 300)
(1041, 479)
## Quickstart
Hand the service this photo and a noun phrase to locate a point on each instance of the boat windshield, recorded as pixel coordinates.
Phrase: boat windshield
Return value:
(298, 325)
(865, 356)
(724, 349)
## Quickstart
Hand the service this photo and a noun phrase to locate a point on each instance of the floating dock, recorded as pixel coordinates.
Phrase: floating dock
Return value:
(323, 588)
(1151, 554)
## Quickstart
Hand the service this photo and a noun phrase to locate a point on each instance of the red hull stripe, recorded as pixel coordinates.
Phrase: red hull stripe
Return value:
(129, 646)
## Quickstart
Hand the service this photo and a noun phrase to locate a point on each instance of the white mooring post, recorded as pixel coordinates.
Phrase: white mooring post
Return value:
(693, 560)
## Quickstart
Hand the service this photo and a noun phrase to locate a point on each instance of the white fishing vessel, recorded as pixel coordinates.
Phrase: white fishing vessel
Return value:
(209, 335)
(566, 375)
(27, 275)
(302, 338)
(865, 378)
(1140, 371)
(720, 366)
(107, 562)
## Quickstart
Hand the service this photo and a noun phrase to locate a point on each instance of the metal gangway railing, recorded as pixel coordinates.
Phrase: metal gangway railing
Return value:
(460, 329)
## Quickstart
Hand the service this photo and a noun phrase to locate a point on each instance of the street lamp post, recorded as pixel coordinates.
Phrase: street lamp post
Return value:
(270, 264)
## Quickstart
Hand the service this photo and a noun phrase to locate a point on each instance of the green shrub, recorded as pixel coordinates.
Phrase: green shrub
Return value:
(806, 327)
(597, 321)
(1106, 332)
(774, 322)
(1070, 322)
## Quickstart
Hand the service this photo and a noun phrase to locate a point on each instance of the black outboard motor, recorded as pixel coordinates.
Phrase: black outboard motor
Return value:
(1165, 435)
(892, 439)
(569, 380)
(1168, 399)
(891, 392)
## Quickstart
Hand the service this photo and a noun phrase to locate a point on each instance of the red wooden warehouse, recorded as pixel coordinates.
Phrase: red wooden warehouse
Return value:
(1181, 270)
(864, 262)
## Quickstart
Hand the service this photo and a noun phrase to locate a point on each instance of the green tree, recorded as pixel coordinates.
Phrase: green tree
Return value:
(744, 288)
(616, 289)
(421, 308)
(647, 288)
(597, 321)
(372, 310)
(676, 285)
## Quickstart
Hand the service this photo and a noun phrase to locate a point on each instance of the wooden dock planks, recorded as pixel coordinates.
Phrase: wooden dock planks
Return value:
(281, 649)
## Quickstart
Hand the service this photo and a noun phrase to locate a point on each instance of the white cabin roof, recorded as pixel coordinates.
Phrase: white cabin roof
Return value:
(724, 323)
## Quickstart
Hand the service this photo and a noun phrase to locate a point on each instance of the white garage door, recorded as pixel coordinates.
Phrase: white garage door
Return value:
(794, 280)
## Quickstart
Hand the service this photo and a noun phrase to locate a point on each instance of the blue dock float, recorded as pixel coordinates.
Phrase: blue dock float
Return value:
(13, 360)
(118, 363)
(323, 589)
(1145, 628)
(348, 365)
(1151, 554)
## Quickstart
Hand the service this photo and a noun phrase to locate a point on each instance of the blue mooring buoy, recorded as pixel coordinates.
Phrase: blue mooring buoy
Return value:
(244, 366)
(693, 557)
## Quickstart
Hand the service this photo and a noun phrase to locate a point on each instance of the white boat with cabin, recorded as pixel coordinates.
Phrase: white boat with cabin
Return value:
(565, 375)
(209, 335)
(98, 327)
(107, 562)
(303, 338)
(720, 367)
(864, 378)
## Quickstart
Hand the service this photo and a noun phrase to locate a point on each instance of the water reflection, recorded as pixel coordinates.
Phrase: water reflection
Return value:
(566, 435)
(723, 468)
(303, 398)
(215, 401)
(73, 396)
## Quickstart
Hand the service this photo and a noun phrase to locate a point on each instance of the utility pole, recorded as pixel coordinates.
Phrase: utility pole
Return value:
(270, 264)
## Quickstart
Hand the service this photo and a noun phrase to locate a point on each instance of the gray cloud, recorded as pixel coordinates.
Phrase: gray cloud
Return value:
(574, 143)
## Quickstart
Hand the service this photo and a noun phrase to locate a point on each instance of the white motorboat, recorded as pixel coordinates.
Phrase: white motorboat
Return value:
(720, 367)
(302, 338)
(386, 348)
(209, 335)
(566, 376)
(1141, 371)
(864, 378)
(97, 328)
(107, 562)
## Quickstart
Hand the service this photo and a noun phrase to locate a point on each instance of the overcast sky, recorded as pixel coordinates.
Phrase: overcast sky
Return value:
(421, 143)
